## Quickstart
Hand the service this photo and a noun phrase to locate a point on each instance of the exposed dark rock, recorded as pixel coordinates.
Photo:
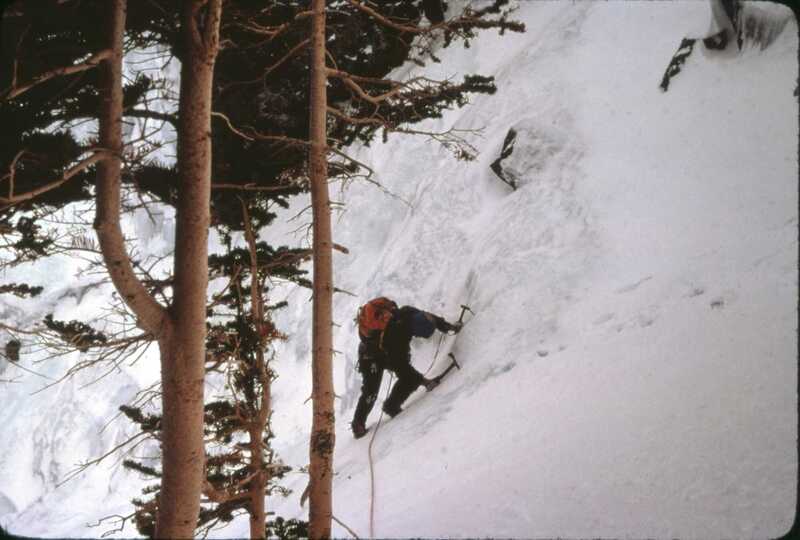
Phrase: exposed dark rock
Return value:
(497, 165)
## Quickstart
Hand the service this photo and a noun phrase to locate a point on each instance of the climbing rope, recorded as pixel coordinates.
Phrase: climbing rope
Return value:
(378, 425)
(372, 466)
(340, 522)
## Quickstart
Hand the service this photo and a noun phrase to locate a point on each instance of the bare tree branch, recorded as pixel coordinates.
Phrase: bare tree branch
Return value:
(83, 466)
(230, 125)
(255, 135)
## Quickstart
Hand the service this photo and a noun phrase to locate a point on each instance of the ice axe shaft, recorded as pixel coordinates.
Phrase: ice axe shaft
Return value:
(453, 364)
(464, 309)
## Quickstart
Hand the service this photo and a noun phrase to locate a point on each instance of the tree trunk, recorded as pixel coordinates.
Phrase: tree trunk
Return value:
(258, 486)
(183, 347)
(322, 427)
(181, 334)
(151, 316)
(260, 416)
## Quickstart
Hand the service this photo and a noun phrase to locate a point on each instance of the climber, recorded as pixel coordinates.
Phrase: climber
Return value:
(385, 332)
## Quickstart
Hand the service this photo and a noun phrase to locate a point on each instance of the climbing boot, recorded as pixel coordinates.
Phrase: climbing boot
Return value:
(359, 430)
(392, 410)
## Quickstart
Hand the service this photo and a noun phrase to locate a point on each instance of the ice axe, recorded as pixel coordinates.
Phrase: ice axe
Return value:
(464, 309)
(453, 364)
(459, 323)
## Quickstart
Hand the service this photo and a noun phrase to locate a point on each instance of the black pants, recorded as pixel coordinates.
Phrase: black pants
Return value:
(371, 366)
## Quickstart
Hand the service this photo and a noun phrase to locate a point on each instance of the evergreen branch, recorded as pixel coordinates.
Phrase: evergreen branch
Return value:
(254, 135)
(281, 138)
(91, 62)
(154, 115)
(12, 172)
(360, 92)
(97, 155)
(467, 20)
(227, 494)
(20, 290)
(359, 121)
(252, 187)
(363, 7)
(293, 51)
(354, 161)
(271, 31)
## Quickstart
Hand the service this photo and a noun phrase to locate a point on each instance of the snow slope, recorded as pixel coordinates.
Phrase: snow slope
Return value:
(631, 370)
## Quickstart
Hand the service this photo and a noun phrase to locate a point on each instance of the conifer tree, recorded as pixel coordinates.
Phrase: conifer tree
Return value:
(241, 466)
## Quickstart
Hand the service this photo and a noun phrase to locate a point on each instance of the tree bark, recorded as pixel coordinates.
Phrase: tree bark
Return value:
(183, 347)
(322, 427)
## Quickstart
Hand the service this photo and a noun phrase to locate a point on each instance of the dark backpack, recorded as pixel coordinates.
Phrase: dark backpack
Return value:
(374, 316)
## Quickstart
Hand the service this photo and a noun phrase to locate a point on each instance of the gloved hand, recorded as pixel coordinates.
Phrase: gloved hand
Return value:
(453, 327)
(444, 326)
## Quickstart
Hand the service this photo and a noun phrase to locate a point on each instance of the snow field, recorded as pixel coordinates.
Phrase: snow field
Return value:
(631, 368)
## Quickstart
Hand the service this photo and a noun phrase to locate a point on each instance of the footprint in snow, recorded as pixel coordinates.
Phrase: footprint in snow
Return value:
(646, 320)
(643, 319)
(602, 319)
(633, 286)
(696, 291)
(722, 300)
